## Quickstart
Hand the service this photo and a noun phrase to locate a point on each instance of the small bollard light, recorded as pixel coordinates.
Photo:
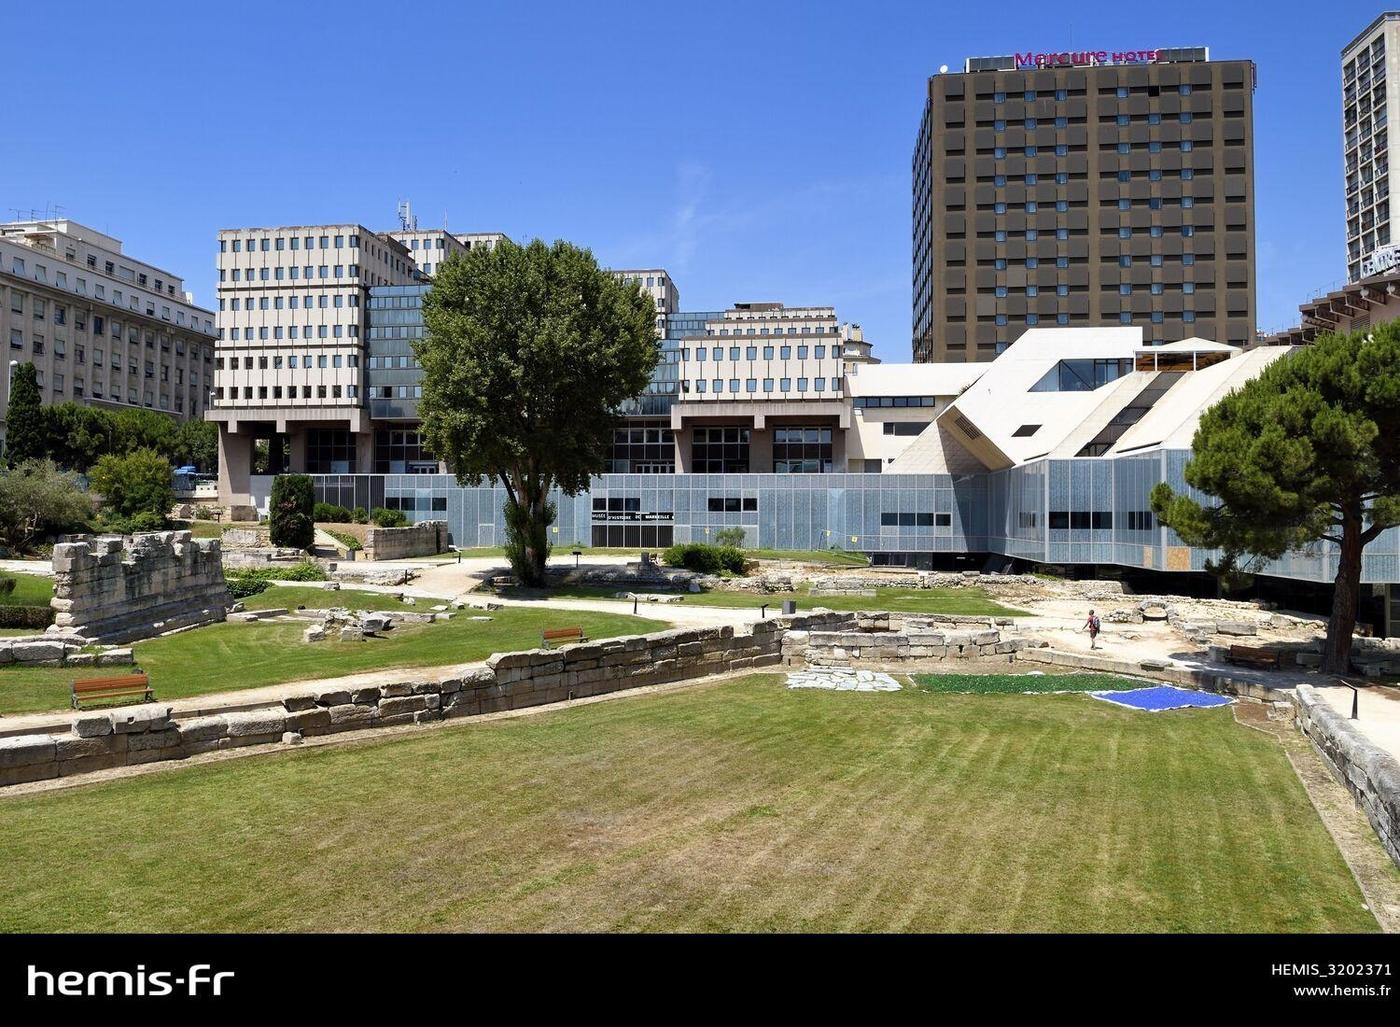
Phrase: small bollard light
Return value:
(577, 554)
(763, 612)
(634, 602)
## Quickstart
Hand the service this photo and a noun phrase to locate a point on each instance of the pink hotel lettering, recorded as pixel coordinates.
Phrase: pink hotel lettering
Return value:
(1085, 58)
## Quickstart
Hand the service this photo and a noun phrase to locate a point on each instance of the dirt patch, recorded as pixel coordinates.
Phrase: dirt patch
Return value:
(1372, 867)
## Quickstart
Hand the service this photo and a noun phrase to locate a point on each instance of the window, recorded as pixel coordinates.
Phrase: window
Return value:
(1025, 431)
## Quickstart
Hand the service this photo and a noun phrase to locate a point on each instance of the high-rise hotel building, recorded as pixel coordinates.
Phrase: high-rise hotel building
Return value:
(1370, 108)
(1086, 189)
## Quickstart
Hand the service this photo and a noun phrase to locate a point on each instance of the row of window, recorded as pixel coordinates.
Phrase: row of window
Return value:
(1122, 92)
(58, 386)
(350, 299)
(715, 386)
(263, 363)
(1125, 317)
(1034, 234)
(916, 520)
(817, 330)
(294, 242)
(262, 392)
(134, 301)
(1061, 121)
(751, 352)
(293, 273)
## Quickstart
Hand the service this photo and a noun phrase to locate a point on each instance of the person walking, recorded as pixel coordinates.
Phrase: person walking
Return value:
(1092, 626)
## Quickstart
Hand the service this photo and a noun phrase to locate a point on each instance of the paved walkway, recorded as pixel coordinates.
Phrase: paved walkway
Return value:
(43, 568)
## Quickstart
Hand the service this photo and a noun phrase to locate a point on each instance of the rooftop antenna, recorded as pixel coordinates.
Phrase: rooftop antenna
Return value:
(407, 222)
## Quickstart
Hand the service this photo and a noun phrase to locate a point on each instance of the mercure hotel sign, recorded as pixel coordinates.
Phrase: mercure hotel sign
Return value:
(1085, 58)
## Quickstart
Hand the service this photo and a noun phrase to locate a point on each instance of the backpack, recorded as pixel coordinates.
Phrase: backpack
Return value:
(1094, 623)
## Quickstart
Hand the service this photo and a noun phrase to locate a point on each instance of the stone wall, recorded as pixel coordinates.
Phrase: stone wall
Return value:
(879, 639)
(425, 538)
(148, 733)
(117, 590)
(1369, 773)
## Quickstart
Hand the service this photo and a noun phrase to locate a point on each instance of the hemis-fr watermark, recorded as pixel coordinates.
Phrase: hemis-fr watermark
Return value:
(199, 979)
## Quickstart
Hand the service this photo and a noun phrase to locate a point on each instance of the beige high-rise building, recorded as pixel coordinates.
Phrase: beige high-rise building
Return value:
(660, 286)
(100, 327)
(291, 351)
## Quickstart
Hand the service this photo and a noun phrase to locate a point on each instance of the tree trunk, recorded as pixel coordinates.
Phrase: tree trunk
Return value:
(537, 549)
(1346, 598)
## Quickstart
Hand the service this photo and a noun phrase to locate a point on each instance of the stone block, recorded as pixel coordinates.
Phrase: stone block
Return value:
(68, 748)
(139, 719)
(333, 697)
(203, 729)
(291, 738)
(309, 721)
(114, 658)
(166, 738)
(27, 750)
(297, 703)
(92, 725)
(401, 705)
(315, 633)
(350, 633)
(1239, 628)
(367, 696)
(256, 722)
(38, 652)
(28, 772)
(352, 715)
(396, 690)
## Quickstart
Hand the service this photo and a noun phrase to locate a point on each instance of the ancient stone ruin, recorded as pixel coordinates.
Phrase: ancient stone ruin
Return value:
(118, 590)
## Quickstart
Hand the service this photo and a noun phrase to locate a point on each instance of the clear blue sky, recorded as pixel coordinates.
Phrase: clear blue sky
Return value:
(757, 150)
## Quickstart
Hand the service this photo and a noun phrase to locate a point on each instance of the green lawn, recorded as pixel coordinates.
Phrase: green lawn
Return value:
(826, 557)
(226, 657)
(964, 601)
(30, 590)
(740, 806)
(1018, 684)
(289, 597)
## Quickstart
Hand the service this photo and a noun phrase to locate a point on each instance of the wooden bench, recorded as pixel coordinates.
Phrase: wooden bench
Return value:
(1254, 656)
(551, 637)
(128, 686)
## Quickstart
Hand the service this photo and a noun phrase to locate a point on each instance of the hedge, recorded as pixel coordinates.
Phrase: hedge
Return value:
(26, 616)
(705, 559)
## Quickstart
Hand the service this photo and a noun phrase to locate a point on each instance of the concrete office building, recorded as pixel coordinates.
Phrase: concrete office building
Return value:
(660, 286)
(100, 327)
(290, 355)
(1370, 116)
(1084, 189)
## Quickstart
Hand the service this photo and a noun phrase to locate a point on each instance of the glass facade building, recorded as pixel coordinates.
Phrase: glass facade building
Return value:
(1054, 511)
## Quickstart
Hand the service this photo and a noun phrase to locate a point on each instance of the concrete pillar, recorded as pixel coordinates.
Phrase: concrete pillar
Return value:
(364, 452)
(296, 450)
(235, 463)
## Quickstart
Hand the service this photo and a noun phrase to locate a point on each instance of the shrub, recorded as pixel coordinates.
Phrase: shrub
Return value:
(350, 542)
(38, 617)
(386, 518)
(731, 537)
(289, 511)
(7, 586)
(705, 559)
(37, 500)
(359, 515)
(328, 513)
(134, 484)
(244, 585)
(119, 525)
(204, 513)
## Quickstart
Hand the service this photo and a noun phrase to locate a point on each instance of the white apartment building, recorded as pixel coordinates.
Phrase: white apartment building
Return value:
(660, 286)
(291, 345)
(1370, 116)
(761, 391)
(99, 326)
(429, 247)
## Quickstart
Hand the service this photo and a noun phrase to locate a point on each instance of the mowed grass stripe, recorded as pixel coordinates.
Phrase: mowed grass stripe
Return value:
(733, 806)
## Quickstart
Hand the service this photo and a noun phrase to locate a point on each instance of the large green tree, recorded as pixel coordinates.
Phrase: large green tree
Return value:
(25, 425)
(1307, 451)
(135, 487)
(530, 350)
